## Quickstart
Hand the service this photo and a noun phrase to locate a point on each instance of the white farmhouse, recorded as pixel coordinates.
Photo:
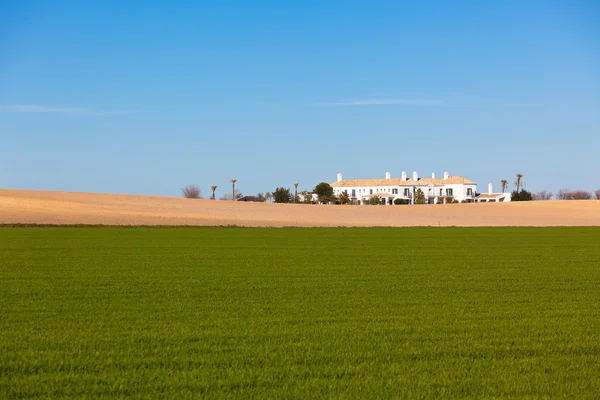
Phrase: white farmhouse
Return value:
(389, 189)
(491, 197)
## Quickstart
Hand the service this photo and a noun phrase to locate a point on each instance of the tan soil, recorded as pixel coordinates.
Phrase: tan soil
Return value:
(45, 207)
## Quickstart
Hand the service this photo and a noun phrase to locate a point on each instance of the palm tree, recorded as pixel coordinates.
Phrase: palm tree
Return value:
(213, 190)
(268, 196)
(503, 184)
(296, 192)
(233, 181)
(518, 181)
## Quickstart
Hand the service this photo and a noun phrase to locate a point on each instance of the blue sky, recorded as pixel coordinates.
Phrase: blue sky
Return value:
(148, 96)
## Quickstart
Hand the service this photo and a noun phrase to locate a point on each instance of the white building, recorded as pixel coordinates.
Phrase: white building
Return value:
(491, 197)
(389, 189)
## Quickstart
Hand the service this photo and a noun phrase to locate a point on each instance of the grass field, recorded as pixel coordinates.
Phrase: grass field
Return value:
(300, 313)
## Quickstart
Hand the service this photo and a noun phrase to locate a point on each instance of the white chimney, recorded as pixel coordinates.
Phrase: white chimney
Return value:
(388, 175)
(403, 175)
(415, 176)
(339, 177)
(433, 175)
(445, 175)
(490, 188)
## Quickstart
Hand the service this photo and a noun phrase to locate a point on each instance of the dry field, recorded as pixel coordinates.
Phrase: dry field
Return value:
(46, 207)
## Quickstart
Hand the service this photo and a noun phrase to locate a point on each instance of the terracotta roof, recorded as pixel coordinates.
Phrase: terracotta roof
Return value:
(378, 195)
(452, 180)
(492, 196)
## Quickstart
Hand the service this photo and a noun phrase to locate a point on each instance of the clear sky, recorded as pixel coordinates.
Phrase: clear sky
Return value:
(148, 96)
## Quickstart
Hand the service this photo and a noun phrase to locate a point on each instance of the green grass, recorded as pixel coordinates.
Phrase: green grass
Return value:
(299, 313)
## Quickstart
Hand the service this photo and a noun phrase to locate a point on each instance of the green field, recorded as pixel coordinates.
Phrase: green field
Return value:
(300, 313)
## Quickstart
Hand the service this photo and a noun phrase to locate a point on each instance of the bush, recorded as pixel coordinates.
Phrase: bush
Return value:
(282, 195)
(419, 197)
(374, 201)
(400, 201)
(344, 198)
(448, 199)
(522, 195)
(565, 194)
(191, 192)
(579, 195)
(542, 195)
(562, 194)
(597, 194)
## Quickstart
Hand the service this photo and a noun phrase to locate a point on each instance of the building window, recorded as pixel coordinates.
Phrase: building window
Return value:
(370, 191)
(353, 193)
(394, 191)
(469, 191)
(449, 192)
(406, 192)
(441, 191)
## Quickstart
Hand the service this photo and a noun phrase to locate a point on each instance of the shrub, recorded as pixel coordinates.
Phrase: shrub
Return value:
(579, 195)
(562, 194)
(597, 194)
(344, 198)
(565, 194)
(374, 201)
(419, 197)
(400, 201)
(522, 195)
(542, 195)
(448, 199)
(191, 192)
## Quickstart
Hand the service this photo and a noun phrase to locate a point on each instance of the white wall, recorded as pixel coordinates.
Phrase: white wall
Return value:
(459, 191)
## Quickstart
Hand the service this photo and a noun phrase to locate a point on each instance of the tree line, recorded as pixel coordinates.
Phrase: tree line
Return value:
(520, 194)
(324, 194)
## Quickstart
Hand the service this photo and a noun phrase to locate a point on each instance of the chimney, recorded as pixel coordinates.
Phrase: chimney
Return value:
(433, 175)
(415, 176)
(388, 175)
(339, 177)
(445, 175)
(490, 188)
(403, 175)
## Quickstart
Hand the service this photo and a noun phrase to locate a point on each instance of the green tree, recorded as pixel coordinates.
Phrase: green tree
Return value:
(233, 181)
(374, 200)
(344, 198)
(296, 192)
(213, 188)
(503, 184)
(268, 196)
(282, 195)
(325, 192)
(419, 197)
(523, 195)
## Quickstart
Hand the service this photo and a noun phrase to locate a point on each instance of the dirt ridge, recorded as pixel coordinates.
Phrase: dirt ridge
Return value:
(72, 208)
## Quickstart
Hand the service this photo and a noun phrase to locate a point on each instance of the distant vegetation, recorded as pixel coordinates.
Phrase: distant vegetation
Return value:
(566, 194)
(325, 193)
(282, 195)
(542, 195)
(191, 192)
